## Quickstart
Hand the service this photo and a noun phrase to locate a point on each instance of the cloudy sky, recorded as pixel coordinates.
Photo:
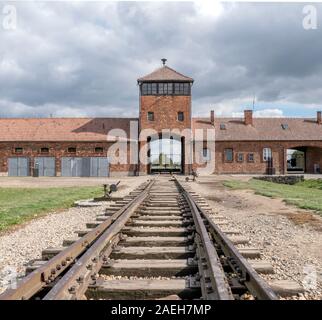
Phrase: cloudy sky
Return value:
(83, 58)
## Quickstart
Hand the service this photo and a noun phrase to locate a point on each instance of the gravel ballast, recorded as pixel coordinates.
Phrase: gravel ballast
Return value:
(19, 247)
(294, 250)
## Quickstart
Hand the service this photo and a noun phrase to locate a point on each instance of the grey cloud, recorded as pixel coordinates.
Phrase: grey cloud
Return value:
(84, 58)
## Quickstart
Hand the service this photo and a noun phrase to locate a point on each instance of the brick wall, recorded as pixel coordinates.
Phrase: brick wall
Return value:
(87, 149)
(165, 109)
(259, 166)
(59, 150)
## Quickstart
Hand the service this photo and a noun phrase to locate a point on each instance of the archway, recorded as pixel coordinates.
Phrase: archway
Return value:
(304, 159)
(296, 160)
(166, 155)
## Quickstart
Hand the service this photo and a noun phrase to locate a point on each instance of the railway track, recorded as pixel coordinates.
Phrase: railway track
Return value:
(157, 241)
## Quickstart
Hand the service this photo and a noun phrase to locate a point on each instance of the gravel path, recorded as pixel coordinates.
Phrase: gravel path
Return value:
(19, 247)
(295, 250)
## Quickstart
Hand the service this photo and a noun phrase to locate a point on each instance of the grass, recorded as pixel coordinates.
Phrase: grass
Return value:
(305, 195)
(18, 205)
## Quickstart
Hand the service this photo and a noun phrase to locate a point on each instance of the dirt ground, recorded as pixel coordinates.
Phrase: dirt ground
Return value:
(48, 182)
(289, 237)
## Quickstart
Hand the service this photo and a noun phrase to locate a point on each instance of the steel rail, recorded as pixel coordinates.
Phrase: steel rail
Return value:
(257, 286)
(76, 281)
(48, 272)
(220, 289)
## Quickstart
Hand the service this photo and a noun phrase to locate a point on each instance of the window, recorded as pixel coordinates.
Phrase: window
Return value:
(285, 126)
(44, 150)
(222, 126)
(146, 89)
(98, 149)
(267, 154)
(250, 157)
(162, 88)
(206, 154)
(228, 155)
(170, 88)
(165, 88)
(151, 116)
(186, 89)
(19, 150)
(154, 88)
(180, 116)
(240, 157)
(71, 150)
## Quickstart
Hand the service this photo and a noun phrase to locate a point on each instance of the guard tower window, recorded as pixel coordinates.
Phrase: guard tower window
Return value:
(165, 88)
(186, 89)
(151, 116)
(146, 89)
(154, 88)
(180, 116)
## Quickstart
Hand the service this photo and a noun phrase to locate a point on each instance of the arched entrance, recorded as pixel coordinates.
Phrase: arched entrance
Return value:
(296, 160)
(304, 159)
(166, 155)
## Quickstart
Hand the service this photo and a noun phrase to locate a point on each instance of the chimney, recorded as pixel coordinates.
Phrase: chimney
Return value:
(212, 117)
(319, 117)
(248, 114)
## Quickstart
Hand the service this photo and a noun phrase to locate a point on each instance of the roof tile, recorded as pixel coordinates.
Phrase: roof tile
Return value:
(165, 74)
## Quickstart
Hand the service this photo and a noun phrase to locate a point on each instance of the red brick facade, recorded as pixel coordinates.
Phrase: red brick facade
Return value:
(243, 139)
(165, 110)
(59, 150)
(258, 165)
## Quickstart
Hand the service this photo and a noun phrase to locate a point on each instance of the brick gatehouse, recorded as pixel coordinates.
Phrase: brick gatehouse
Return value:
(90, 146)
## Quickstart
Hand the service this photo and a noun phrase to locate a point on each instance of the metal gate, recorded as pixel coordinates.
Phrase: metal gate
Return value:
(99, 167)
(84, 167)
(46, 166)
(18, 167)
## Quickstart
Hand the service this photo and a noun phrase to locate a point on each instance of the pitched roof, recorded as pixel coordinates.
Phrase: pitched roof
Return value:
(165, 74)
(61, 129)
(263, 129)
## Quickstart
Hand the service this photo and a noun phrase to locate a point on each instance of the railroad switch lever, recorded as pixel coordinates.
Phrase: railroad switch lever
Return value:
(194, 176)
(109, 188)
